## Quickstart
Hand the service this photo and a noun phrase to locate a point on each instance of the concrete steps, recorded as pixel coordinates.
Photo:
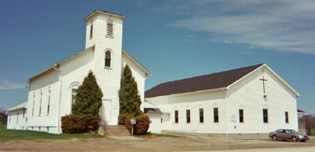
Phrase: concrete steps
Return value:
(119, 130)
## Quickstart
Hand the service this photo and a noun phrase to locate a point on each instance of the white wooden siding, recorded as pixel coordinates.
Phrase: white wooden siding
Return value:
(246, 94)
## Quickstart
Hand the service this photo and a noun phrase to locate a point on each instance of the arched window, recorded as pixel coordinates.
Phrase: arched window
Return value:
(187, 114)
(201, 114)
(107, 58)
(215, 113)
(176, 114)
(74, 87)
(265, 114)
(241, 114)
(91, 31)
(74, 94)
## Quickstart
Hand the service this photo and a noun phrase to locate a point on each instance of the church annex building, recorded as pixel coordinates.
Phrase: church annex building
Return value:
(251, 99)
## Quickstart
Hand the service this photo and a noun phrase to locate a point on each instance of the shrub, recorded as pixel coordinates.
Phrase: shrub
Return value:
(89, 97)
(129, 98)
(127, 123)
(143, 123)
(79, 124)
(122, 119)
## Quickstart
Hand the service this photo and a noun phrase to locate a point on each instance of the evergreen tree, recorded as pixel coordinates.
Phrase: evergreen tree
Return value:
(129, 97)
(3, 118)
(89, 97)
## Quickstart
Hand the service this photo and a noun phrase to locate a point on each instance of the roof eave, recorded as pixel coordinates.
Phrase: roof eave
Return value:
(147, 73)
(281, 80)
(199, 91)
(104, 13)
(57, 65)
(271, 71)
(243, 77)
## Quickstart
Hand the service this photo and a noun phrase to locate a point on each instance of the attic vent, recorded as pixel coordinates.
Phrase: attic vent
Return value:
(109, 29)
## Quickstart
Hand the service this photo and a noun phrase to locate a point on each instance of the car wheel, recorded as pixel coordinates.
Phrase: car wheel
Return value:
(274, 137)
(294, 139)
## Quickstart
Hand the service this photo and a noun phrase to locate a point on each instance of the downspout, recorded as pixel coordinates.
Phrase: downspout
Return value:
(60, 88)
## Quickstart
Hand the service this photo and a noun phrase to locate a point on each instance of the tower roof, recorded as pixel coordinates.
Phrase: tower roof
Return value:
(104, 13)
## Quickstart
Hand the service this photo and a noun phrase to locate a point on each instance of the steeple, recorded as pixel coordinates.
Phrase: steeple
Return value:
(104, 32)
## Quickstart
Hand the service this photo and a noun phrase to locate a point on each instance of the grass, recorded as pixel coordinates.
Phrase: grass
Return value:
(9, 135)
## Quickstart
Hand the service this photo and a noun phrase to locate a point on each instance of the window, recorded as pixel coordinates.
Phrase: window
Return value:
(265, 115)
(40, 103)
(188, 116)
(48, 104)
(9, 117)
(91, 31)
(201, 115)
(109, 29)
(216, 114)
(241, 114)
(17, 117)
(286, 117)
(176, 116)
(107, 58)
(23, 113)
(33, 104)
(279, 131)
(74, 94)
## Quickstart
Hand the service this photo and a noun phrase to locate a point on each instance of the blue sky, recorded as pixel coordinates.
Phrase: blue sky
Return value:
(174, 39)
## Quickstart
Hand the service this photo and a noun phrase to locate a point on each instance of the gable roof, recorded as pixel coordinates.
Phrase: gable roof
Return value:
(19, 107)
(198, 83)
(57, 65)
(220, 80)
(147, 73)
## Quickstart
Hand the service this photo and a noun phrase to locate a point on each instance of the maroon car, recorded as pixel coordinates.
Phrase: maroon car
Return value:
(288, 134)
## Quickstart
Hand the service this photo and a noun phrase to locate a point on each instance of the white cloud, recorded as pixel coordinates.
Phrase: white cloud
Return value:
(7, 85)
(282, 25)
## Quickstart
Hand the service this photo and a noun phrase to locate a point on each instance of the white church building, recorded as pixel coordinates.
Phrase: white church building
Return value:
(252, 99)
(52, 91)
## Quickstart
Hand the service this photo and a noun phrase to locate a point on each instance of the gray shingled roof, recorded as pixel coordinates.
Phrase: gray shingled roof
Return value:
(198, 83)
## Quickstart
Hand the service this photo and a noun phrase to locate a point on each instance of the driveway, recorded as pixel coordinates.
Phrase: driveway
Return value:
(185, 142)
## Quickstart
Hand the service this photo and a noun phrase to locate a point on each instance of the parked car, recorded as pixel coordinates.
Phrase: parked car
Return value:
(288, 134)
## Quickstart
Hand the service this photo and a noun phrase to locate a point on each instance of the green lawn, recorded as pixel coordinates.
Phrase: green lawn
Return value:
(7, 135)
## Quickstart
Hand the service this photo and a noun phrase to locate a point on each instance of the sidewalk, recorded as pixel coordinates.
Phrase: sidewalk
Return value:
(126, 138)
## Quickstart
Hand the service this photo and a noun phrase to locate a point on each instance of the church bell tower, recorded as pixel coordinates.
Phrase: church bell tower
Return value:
(104, 33)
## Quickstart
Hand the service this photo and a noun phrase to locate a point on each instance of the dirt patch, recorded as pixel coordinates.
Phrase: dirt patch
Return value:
(188, 142)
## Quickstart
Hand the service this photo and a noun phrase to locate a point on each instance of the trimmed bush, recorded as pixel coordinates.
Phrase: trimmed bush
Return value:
(122, 119)
(127, 123)
(73, 124)
(142, 125)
